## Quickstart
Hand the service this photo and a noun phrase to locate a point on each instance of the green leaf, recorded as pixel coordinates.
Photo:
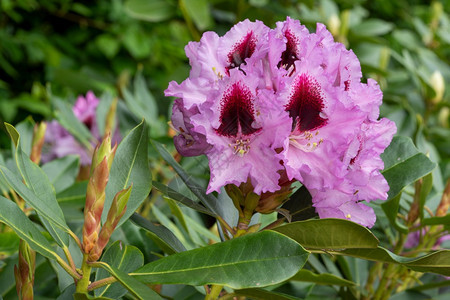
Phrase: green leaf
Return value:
(14, 217)
(372, 27)
(150, 10)
(208, 200)
(427, 185)
(37, 182)
(403, 165)
(130, 166)
(198, 10)
(123, 257)
(436, 262)
(300, 205)
(62, 172)
(160, 234)
(9, 243)
(329, 234)
(254, 260)
(437, 220)
(134, 286)
(327, 279)
(142, 103)
(261, 294)
(64, 115)
(174, 195)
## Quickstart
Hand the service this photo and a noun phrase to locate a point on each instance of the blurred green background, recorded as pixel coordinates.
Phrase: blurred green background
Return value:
(70, 47)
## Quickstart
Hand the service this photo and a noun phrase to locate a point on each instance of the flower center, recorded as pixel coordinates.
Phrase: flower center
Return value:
(289, 56)
(241, 50)
(237, 112)
(241, 147)
(306, 104)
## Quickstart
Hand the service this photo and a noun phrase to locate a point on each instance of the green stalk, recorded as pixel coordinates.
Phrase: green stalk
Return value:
(83, 283)
(214, 293)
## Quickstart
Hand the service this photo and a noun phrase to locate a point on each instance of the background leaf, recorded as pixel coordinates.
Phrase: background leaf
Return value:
(160, 234)
(403, 165)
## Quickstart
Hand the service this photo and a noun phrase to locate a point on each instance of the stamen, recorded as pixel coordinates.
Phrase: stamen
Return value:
(240, 147)
(348, 216)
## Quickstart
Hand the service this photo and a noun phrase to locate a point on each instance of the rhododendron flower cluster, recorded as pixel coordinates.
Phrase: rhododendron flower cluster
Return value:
(265, 104)
(59, 142)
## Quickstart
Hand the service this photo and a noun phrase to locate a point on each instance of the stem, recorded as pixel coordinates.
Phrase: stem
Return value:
(225, 225)
(275, 224)
(83, 283)
(67, 268)
(102, 282)
(214, 293)
(188, 21)
(69, 258)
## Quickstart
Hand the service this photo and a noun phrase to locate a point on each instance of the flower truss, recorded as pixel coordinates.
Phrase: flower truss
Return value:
(59, 142)
(265, 104)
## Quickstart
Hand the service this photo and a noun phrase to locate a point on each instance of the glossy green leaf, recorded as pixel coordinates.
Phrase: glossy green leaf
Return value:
(300, 206)
(329, 234)
(160, 234)
(14, 217)
(261, 294)
(403, 165)
(436, 262)
(327, 279)
(123, 257)
(208, 200)
(69, 121)
(130, 167)
(174, 195)
(38, 183)
(9, 243)
(254, 260)
(62, 172)
(150, 10)
(134, 286)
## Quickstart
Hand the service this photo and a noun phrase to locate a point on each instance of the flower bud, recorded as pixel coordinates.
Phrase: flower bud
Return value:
(445, 201)
(334, 24)
(438, 85)
(95, 193)
(444, 117)
(111, 118)
(38, 142)
(115, 213)
(24, 273)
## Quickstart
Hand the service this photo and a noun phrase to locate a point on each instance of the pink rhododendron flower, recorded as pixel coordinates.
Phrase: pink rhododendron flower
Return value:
(59, 142)
(260, 102)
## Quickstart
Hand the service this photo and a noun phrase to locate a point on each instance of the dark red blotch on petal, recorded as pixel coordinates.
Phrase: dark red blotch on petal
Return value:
(237, 112)
(306, 104)
(289, 56)
(241, 50)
